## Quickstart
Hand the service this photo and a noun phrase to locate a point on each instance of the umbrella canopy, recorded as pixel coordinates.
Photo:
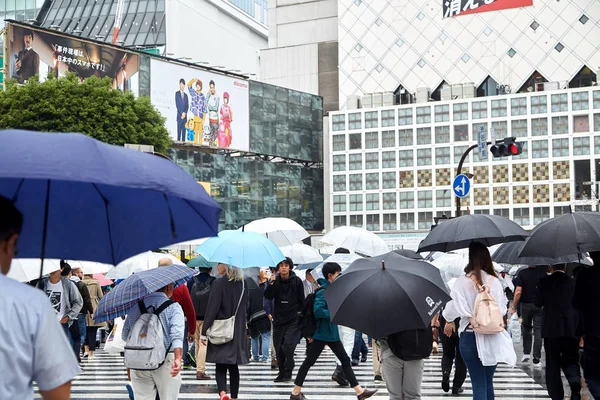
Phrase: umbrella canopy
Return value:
(28, 269)
(89, 267)
(103, 280)
(87, 200)
(568, 234)
(301, 253)
(139, 263)
(306, 266)
(363, 296)
(241, 249)
(135, 288)
(281, 231)
(451, 265)
(508, 253)
(409, 254)
(200, 262)
(344, 261)
(459, 233)
(356, 239)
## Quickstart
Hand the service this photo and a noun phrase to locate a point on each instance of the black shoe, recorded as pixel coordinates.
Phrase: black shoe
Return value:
(446, 382)
(340, 380)
(378, 379)
(297, 397)
(274, 365)
(363, 358)
(354, 362)
(279, 378)
(456, 391)
(366, 394)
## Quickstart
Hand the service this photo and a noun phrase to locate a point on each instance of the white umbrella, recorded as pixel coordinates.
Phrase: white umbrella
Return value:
(28, 269)
(356, 239)
(138, 263)
(301, 253)
(344, 260)
(89, 267)
(281, 231)
(451, 265)
(189, 245)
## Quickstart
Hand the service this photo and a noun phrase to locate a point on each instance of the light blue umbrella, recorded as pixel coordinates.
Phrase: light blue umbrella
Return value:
(241, 249)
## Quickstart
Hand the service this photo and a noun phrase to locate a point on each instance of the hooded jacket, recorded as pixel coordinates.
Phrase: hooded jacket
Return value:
(288, 296)
(72, 297)
(326, 331)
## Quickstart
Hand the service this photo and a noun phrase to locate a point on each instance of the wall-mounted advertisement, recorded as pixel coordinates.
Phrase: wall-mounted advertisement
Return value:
(36, 52)
(453, 8)
(201, 107)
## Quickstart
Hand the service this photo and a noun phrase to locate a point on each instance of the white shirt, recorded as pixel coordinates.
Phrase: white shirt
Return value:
(309, 287)
(492, 349)
(34, 346)
(54, 291)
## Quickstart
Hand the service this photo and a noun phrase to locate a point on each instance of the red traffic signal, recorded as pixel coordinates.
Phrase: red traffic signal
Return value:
(508, 147)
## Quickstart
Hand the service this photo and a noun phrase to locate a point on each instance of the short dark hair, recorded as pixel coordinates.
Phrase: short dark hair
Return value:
(211, 83)
(65, 268)
(341, 250)
(288, 261)
(330, 268)
(28, 32)
(11, 222)
(308, 271)
(182, 81)
(559, 267)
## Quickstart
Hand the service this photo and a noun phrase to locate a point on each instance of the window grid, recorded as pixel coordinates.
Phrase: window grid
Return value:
(580, 101)
(356, 221)
(518, 128)
(560, 147)
(443, 198)
(405, 137)
(338, 122)
(539, 126)
(407, 200)
(355, 182)
(388, 159)
(425, 198)
(372, 160)
(521, 216)
(518, 106)
(355, 162)
(388, 118)
(373, 222)
(442, 134)
(355, 141)
(372, 202)
(539, 149)
(371, 140)
(405, 116)
(339, 183)
(423, 157)
(388, 180)
(560, 102)
(596, 98)
(423, 115)
(356, 202)
(407, 221)
(479, 109)
(442, 113)
(425, 220)
(339, 142)
(461, 133)
(389, 222)
(339, 203)
(500, 129)
(498, 108)
(371, 119)
(389, 201)
(581, 123)
(424, 135)
(539, 104)
(339, 163)
(540, 214)
(405, 158)
(354, 121)
(560, 125)
(372, 181)
(581, 146)
(442, 155)
(460, 111)
(388, 139)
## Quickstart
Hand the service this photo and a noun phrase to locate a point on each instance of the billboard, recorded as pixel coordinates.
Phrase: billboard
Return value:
(452, 8)
(201, 107)
(37, 52)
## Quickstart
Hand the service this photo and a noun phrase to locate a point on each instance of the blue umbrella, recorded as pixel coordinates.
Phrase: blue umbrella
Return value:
(86, 200)
(200, 262)
(241, 249)
(136, 287)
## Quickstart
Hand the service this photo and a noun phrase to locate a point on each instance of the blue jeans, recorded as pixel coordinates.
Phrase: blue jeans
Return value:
(266, 346)
(359, 346)
(482, 378)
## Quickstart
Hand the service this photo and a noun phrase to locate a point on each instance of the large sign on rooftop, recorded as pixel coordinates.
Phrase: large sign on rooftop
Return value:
(452, 8)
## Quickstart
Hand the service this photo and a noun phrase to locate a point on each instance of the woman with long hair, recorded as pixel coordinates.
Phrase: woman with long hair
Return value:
(481, 352)
(228, 297)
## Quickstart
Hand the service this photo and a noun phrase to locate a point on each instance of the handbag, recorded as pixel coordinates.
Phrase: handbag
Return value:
(222, 330)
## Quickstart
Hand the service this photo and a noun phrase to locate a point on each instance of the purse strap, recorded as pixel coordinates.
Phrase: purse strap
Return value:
(241, 296)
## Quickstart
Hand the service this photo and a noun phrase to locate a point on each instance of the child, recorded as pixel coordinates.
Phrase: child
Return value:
(224, 136)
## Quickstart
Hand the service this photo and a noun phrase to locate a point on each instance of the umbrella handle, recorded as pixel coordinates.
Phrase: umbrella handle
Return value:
(382, 264)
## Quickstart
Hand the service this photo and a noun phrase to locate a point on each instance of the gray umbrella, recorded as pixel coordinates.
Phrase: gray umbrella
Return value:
(459, 233)
(508, 253)
(409, 254)
(568, 234)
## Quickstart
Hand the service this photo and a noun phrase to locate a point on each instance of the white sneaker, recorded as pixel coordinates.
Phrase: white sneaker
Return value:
(537, 364)
(526, 358)
(86, 354)
(91, 358)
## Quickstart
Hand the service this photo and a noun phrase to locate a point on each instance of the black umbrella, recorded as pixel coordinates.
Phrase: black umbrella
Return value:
(459, 233)
(409, 254)
(508, 253)
(569, 234)
(386, 294)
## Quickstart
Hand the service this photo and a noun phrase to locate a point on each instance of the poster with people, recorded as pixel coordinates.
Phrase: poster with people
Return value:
(37, 52)
(201, 107)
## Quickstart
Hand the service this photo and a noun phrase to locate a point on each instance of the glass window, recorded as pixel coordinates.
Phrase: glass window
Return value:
(388, 117)
(458, 152)
(425, 220)
(389, 201)
(390, 222)
(372, 140)
(339, 220)
(423, 115)
(560, 147)
(373, 222)
(581, 146)
(372, 201)
(442, 113)
(518, 128)
(339, 142)
(372, 160)
(371, 119)
(461, 133)
(500, 129)
(388, 159)
(481, 211)
(443, 198)
(354, 121)
(407, 221)
(539, 126)
(338, 122)
(388, 180)
(597, 144)
(540, 214)
(560, 125)
(372, 180)
(425, 199)
(521, 216)
(442, 134)
(339, 183)
(518, 106)
(460, 111)
(596, 98)
(479, 109)
(355, 162)
(424, 135)
(356, 221)
(559, 102)
(356, 182)
(339, 163)
(596, 122)
(580, 100)
(499, 108)
(388, 139)
(405, 137)
(407, 200)
(423, 157)
(502, 212)
(581, 123)
(355, 141)
(405, 116)
(539, 104)
(561, 210)
(539, 149)
(339, 203)
(442, 155)
(405, 158)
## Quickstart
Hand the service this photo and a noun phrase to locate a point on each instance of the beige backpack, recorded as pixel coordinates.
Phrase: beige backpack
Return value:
(487, 318)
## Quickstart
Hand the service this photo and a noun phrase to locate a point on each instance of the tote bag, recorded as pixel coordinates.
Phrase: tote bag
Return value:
(222, 330)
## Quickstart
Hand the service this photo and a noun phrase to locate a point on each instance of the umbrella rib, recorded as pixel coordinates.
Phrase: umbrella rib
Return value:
(110, 241)
(18, 191)
(173, 230)
(45, 231)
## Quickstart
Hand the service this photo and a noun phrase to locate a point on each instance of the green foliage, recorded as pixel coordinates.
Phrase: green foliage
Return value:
(90, 107)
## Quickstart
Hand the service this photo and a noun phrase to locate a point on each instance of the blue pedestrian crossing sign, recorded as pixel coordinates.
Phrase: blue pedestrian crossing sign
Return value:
(461, 186)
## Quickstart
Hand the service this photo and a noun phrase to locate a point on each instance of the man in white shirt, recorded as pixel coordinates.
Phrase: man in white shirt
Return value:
(32, 344)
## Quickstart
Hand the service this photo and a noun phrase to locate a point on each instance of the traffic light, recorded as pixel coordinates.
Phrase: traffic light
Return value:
(507, 147)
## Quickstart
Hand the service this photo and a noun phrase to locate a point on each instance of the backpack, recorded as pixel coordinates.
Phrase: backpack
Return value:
(145, 348)
(415, 344)
(487, 318)
(307, 321)
(200, 293)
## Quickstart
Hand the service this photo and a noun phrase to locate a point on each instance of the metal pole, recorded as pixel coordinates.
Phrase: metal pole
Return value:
(458, 172)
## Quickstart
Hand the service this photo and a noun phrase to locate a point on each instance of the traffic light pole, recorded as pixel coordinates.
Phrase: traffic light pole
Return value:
(458, 171)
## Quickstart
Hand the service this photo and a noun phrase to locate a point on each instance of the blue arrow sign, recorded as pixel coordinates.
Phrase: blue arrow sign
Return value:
(461, 186)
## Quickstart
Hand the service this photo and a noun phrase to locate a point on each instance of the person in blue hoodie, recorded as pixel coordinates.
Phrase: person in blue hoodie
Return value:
(327, 334)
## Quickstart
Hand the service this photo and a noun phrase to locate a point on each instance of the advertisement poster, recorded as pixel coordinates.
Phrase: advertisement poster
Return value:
(201, 107)
(35, 52)
(452, 8)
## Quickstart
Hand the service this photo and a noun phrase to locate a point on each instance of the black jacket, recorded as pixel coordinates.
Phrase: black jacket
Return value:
(289, 298)
(258, 321)
(85, 295)
(587, 299)
(559, 317)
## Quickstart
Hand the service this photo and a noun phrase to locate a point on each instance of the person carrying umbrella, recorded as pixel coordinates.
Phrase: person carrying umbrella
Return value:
(327, 334)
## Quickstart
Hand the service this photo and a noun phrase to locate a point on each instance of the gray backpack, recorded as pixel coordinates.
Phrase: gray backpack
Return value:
(145, 347)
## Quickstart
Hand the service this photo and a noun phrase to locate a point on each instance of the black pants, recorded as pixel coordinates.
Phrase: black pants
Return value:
(451, 351)
(532, 321)
(562, 353)
(316, 348)
(75, 336)
(591, 364)
(234, 378)
(285, 340)
(90, 338)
